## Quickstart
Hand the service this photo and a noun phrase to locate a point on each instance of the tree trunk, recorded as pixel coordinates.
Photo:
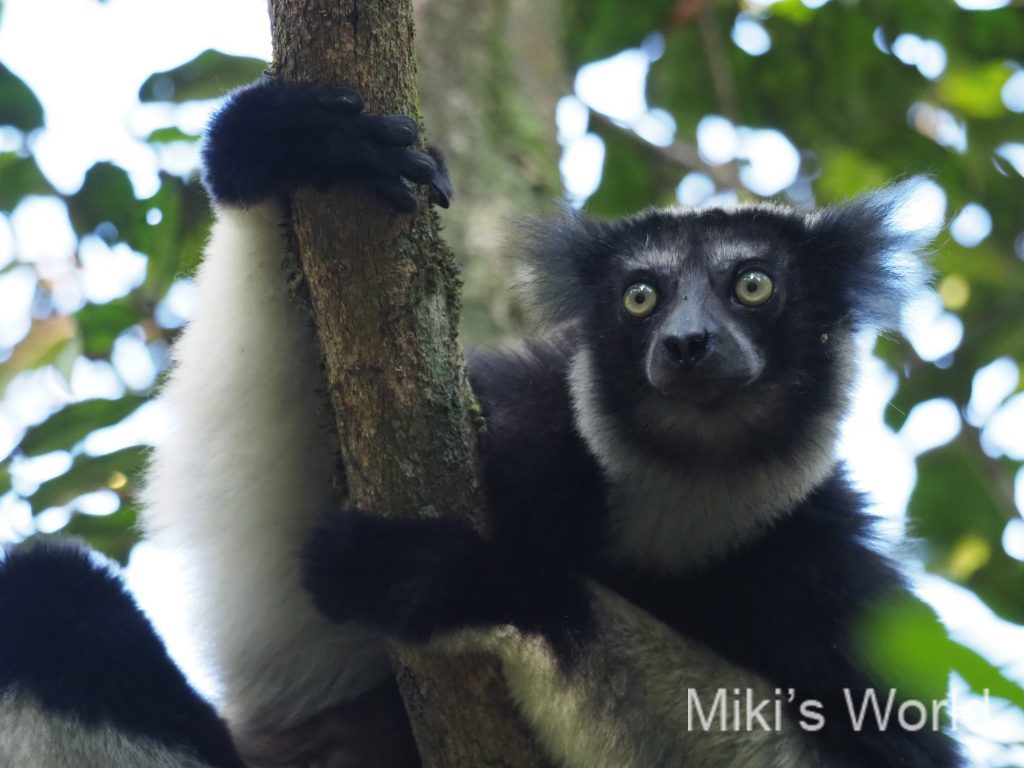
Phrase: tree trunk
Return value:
(489, 102)
(385, 306)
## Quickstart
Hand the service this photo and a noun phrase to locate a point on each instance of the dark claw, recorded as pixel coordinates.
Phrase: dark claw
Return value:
(441, 191)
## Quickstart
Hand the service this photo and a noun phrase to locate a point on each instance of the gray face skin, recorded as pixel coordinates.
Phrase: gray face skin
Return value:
(697, 351)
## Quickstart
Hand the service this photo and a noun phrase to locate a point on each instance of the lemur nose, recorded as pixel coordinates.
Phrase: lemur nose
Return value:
(685, 351)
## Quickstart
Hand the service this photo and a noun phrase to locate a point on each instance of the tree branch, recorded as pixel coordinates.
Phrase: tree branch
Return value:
(384, 304)
(679, 153)
(718, 62)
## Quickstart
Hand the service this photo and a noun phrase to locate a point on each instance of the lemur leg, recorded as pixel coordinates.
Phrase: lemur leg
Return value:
(628, 699)
(603, 684)
(84, 680)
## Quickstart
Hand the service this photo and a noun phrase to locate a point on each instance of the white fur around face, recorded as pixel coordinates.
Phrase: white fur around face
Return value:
(31, 737)
(669, 518)
(241, 480)
(627, 704)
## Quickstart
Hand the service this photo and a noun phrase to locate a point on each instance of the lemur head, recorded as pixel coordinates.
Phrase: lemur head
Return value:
(712, 332)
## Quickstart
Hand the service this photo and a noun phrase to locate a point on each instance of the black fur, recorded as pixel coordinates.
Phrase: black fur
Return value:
(785, 603)
(781, 602)
(273, 137)
(73, 640)
(413, 577)
(786, 606)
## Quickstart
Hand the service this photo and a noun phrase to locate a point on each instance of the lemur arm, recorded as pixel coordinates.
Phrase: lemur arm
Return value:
(245, 472)
(414, 578)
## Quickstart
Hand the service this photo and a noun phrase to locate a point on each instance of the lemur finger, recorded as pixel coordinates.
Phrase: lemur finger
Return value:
(418, 167)
(421, 168)
(398, 130)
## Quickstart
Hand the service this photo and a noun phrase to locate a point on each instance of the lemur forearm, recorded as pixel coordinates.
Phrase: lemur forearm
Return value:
(415, 578)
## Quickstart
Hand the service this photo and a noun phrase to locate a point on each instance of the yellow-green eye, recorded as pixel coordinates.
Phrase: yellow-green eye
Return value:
(639, 299)
(754, 288)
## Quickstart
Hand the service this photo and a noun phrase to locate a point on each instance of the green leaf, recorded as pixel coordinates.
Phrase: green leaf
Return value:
(49, 341)
(64, 429)
(170, 134)
(956, 510)
(99, 325)
(903, 643)
(633, 175)
(174, 244)
(87, 474)
(106, 196)
(792, 10)
(681, 81)
(844, 170)
(976, 91)
(209, 75)
(601, 29)
(19, 106)
(114, 535)
(19, 178)
(983, 676)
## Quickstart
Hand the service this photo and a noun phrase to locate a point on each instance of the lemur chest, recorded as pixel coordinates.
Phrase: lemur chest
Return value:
(671, 519)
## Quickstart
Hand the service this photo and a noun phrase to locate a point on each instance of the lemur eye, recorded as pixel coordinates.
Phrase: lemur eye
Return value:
(754, 288)
(639, 299)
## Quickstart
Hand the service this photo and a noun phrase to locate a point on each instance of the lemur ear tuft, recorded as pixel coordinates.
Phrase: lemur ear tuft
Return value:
(877, 246)
(560, 257)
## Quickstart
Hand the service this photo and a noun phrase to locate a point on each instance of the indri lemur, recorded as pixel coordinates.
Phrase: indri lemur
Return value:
(670, 517)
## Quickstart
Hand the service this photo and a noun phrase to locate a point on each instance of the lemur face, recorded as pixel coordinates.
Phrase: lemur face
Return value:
(724, 328)
(707, 322)
(699, 306)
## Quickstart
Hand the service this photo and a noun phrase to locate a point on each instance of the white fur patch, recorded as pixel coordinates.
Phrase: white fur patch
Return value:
(667, 517)
(628, 703)
(31, 737)
(241, 480)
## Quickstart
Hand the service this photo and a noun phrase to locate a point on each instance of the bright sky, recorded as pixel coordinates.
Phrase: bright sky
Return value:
(87, 70)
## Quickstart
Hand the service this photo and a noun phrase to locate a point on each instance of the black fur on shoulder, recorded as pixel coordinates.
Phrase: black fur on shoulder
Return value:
(872, 259)
(272, 137)
(73, 640)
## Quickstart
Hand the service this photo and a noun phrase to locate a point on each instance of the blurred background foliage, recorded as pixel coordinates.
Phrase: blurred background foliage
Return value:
(805, 101)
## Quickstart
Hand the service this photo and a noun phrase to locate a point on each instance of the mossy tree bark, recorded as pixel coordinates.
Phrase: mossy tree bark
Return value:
(489, 100)
(384, 295)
